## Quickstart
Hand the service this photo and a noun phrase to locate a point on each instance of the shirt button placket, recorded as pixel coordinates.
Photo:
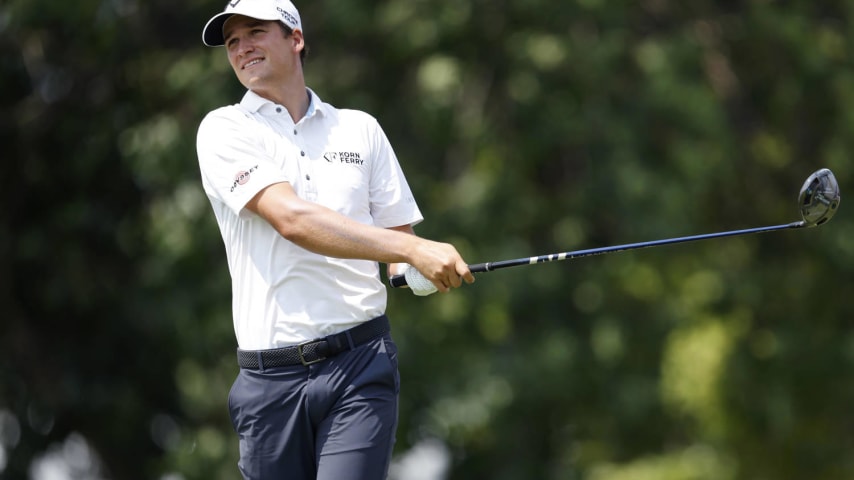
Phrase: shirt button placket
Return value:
(306, 166)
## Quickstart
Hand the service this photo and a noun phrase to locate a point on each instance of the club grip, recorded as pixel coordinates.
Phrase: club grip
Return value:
(398, 281)
(479, 267)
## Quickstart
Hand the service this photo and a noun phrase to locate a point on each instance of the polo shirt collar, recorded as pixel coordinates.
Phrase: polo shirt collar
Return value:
(256, 103)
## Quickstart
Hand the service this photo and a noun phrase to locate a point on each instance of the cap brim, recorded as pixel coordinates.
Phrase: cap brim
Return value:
(212, 33)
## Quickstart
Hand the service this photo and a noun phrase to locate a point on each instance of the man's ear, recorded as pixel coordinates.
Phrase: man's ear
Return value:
(298, 39)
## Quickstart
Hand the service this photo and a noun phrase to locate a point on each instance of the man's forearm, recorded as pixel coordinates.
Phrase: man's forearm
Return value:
(327, 232)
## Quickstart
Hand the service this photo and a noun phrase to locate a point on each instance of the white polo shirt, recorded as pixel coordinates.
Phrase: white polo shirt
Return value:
(282, 293)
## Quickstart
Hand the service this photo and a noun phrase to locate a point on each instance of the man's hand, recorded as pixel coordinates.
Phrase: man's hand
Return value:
(441, 264)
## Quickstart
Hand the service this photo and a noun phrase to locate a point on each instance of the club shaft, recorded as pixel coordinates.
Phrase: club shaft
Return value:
(554, 257)
(400, 281)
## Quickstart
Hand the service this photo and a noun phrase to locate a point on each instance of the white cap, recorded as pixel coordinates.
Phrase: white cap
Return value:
(281, 10)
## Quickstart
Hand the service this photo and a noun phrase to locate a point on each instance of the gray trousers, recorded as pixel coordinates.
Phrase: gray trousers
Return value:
(332, 420)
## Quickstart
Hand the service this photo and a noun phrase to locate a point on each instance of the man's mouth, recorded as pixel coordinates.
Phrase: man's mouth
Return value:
(252, 63)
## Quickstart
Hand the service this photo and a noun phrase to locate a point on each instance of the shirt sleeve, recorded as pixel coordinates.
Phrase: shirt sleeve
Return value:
(237, 158)
(392, 201)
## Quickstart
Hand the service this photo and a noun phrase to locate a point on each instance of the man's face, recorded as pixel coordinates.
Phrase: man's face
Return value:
(259, 52)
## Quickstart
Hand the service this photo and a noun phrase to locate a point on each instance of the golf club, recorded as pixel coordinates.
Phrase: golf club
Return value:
(818, 201)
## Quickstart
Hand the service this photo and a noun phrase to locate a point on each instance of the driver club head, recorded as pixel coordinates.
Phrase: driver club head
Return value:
(819, 198)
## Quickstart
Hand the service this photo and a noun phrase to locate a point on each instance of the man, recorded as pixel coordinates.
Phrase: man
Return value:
(309, 199)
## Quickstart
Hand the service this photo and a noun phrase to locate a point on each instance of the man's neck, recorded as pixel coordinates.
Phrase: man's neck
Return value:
(295, 98)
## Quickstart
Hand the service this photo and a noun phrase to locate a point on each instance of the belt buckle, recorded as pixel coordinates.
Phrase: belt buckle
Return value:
(301, 354)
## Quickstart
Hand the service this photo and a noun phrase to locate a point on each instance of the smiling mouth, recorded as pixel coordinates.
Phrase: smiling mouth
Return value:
(253, 63)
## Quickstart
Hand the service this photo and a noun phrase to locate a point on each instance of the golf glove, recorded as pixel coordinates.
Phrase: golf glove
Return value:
(417, 283)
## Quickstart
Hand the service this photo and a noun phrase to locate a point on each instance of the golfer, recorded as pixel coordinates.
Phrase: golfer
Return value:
(309, 200)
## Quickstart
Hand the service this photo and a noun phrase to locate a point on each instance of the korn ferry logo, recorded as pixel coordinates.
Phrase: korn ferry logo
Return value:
(347, 158)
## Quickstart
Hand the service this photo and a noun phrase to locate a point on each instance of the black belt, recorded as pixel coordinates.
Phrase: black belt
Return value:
(314, 351)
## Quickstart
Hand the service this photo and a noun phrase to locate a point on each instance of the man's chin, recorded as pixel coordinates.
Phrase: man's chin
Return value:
(256, 84)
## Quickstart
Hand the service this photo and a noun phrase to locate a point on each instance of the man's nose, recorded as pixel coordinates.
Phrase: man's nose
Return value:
(245, 46)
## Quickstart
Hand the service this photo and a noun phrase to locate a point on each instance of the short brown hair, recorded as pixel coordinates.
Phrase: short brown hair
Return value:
(288, 31)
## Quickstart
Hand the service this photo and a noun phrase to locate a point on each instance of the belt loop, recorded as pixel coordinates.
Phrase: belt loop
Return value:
(260, 360)
(350, 339)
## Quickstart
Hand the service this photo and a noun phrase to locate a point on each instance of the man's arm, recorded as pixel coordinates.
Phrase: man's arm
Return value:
(326, 232)
(395, 268)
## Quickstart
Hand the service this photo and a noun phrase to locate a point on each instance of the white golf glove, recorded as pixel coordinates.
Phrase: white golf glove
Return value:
(417, 283)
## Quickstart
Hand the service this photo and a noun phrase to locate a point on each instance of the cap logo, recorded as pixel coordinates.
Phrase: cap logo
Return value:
(286, 15)
(233, 4)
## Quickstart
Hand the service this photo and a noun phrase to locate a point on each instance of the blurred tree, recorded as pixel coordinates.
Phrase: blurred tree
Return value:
(524, 126)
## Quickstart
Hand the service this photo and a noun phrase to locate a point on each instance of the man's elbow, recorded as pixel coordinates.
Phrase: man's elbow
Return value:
(287, 216)
(291, 221)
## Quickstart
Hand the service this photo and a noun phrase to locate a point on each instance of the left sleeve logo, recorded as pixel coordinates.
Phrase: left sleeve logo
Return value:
(242, 178)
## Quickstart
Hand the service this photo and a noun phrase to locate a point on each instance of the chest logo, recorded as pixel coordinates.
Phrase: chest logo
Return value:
(346, 158)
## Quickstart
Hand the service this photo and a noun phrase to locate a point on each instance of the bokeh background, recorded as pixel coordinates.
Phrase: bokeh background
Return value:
(525, 127)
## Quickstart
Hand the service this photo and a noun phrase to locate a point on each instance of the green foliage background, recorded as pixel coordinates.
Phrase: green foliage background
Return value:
(525, 127)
